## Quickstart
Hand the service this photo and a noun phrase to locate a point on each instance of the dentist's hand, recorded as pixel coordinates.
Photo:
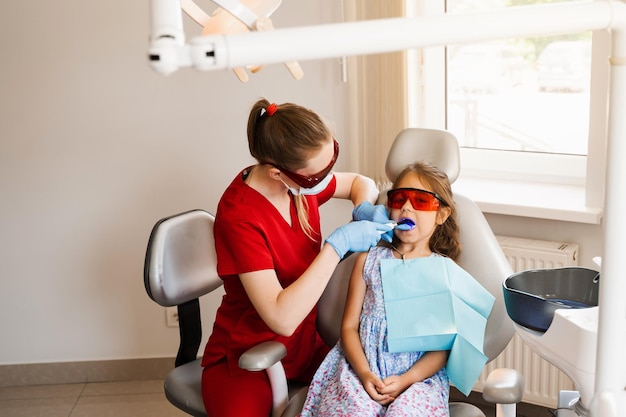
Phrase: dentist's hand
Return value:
(356, 236)
(377, 213)
(367, 211)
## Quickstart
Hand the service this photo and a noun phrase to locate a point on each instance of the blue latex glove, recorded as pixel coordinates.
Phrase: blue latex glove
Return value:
(357, 236)
(367, 211)
(377, 213)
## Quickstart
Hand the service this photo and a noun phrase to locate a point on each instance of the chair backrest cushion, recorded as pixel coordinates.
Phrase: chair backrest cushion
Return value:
(483, 258)
(333, 300)
(438, 147)
(180, 262)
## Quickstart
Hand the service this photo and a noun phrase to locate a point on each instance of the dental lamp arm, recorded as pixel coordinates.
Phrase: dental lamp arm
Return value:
(382, 35)
(167, 21)
(167, 51)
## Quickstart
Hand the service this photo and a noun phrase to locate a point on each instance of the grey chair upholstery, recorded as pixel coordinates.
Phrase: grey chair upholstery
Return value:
(178, 270)
(439, 147)
(180, 267)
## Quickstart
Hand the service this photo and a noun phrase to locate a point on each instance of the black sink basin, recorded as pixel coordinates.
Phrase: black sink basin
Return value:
(532, 296)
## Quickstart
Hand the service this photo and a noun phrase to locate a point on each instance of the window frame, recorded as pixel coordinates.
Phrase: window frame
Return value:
(573, 185)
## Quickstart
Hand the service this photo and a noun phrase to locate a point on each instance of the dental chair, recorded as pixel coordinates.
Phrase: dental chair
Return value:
(180, 267)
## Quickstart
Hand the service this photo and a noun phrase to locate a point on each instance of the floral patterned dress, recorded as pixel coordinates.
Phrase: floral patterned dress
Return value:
(337, 391)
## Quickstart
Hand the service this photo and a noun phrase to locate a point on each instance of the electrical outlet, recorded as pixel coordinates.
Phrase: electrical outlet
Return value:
(171, 316)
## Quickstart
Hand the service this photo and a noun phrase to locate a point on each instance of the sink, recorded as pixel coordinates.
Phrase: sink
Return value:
(555, 311)
(531, 297)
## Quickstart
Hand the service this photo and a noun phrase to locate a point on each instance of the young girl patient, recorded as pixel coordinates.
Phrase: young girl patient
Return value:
(360, 377)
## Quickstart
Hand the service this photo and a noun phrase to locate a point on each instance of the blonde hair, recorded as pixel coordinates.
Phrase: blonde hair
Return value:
(445, 238)
(287, 138)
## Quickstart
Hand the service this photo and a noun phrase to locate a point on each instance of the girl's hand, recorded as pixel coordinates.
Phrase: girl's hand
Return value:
(423, 368)
(373, 386)
(393, 386)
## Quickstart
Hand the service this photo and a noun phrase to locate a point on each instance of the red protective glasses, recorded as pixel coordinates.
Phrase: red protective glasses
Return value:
(313, 180)
(420, 199)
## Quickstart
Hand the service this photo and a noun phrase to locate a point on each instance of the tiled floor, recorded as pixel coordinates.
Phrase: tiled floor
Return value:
(107, 399)
(135, 399)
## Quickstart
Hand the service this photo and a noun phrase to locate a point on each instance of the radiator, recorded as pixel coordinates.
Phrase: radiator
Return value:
(543, 381)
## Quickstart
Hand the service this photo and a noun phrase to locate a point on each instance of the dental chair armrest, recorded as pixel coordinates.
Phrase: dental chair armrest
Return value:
(266, 356)
(262, 356)
(504, 386)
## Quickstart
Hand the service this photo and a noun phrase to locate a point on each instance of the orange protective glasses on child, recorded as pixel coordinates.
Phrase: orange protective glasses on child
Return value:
(420, 199)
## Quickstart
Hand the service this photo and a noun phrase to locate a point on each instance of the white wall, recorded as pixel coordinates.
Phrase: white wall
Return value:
(94, 148)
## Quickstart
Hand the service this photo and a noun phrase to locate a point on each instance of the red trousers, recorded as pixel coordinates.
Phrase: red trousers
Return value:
(247, 394)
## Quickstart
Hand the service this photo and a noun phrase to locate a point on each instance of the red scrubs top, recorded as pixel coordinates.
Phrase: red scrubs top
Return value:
(251, 235)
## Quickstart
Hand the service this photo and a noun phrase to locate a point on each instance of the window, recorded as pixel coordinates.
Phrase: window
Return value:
(521, 95)
(521, 110)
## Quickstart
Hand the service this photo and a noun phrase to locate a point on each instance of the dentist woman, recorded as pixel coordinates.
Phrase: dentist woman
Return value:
(271, 256)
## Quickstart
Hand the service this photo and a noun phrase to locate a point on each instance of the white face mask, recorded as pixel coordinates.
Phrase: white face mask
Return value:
(313, 190)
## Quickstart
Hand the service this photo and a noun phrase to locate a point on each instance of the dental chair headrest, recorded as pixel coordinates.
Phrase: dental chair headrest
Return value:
(439, 147)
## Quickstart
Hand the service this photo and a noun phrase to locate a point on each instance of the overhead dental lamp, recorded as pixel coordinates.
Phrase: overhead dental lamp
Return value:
(168, 50)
